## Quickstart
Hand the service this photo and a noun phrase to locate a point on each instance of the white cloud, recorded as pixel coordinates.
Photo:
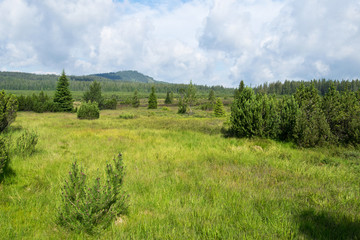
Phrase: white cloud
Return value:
(208, 41)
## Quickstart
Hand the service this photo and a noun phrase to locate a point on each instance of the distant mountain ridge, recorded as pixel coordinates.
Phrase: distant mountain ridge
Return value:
(123, 76)
(128, 76)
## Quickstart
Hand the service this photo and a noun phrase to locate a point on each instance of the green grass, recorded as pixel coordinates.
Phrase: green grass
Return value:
(184, 180)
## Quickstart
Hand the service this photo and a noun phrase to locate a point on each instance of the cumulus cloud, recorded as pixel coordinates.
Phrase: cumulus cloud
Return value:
(212, 42)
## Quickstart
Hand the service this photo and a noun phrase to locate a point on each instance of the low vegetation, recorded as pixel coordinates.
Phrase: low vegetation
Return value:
(88, 208)
(185, 180)
(233, 173)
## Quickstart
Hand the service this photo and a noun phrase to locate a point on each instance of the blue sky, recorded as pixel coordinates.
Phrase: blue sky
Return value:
(213, 42)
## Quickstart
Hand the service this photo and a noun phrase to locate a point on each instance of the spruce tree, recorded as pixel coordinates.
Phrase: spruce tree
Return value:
(152, 99)
(63, 98)
(135, 100)
(219, 108)
(94, 94)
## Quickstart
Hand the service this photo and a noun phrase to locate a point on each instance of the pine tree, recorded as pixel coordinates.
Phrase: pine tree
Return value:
(219, 108)
(332, 109)
(168, 98)
(245, 118)
(182, 106)
(63, 98)
(211, 97)
(190, 95)
(289, 111)
(135, 100)
(270, 117)
(311, 128)
(94, 94)
(172, 97)
(152, 99)
(8, 109)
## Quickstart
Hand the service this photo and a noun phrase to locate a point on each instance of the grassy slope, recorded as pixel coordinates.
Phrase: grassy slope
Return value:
(184, 179)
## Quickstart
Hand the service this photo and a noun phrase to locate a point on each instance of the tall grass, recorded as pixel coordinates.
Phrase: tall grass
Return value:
(184, 180)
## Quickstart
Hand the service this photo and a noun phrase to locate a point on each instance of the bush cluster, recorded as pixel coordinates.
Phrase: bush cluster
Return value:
(90, 207)
(37, 103)
(305, 118)
(89, 110)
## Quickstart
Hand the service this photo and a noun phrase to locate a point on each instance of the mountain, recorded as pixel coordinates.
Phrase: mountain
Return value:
(123, 76)
(127, 76)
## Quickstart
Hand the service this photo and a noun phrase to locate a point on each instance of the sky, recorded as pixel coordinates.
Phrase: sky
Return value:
(211, 42)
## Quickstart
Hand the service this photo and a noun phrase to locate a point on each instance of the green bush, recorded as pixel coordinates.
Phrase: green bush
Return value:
(110, 103)
(8, 108)
(127, 116)
(88, 110)
(89, 208)
(182, 106)
(207, 106)
(26, 143)
(4, 157)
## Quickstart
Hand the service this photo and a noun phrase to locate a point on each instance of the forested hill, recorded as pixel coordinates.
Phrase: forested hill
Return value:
(124, 76)
(124, 81)
(128, 76)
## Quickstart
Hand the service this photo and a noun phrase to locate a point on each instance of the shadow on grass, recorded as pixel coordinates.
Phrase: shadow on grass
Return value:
(7, 174)
(324, 225)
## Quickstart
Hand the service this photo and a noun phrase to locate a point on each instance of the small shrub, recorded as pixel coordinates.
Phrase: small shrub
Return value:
(26, 143)
(4, 157)
(165, 109)
(182, 106)
(110, 103)
(127, 116)
(207, 107)
(88, 110)
(88, 208)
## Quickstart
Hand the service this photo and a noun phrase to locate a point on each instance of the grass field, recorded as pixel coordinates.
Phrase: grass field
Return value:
(184, 180)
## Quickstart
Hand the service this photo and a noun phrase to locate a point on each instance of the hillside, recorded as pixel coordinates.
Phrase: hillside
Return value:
(124, 76)
(123, 81)
(128, 76)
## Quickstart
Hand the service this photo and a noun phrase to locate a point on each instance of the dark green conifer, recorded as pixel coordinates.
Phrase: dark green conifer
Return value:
(219, 108)
(152, 99)
(168, 99)
(211, 97)
(135, 100)
(63, 98)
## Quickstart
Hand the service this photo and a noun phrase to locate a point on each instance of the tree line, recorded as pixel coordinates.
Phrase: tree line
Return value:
(304, 117)
(322, 85)
(26, 81)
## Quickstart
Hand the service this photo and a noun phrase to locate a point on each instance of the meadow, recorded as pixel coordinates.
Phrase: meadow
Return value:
(184, 179)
